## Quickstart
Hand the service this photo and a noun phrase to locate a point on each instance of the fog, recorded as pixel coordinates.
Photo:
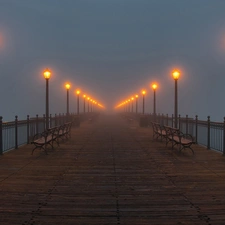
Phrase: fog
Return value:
(111, 50)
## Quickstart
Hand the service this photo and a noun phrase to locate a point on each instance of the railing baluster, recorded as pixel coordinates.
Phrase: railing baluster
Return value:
(28, 129)
(50, 117)
(196, 129)
(1, 143)
(186, 124)
(16, 132)
(224, 136)
(179, 121)
(208, 133)
(37, 124)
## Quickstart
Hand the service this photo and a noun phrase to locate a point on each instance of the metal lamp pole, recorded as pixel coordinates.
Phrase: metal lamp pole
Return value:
(176, 75)
(47, 75)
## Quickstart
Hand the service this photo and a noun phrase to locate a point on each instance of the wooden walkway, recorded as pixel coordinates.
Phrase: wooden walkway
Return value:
(112, 172)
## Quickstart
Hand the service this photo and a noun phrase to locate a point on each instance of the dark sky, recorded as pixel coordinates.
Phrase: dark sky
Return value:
(111, 49)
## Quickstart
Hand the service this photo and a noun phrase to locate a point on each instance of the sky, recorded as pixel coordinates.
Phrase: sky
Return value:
(111, 50)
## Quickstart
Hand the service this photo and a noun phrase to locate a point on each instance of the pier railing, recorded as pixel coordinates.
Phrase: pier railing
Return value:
(205, 132)
(19, 132)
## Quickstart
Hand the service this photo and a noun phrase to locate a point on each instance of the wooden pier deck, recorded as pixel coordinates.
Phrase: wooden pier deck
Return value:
(112, 172)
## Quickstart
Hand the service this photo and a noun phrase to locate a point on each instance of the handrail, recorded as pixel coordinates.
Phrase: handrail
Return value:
(210, 134)
(20, 132)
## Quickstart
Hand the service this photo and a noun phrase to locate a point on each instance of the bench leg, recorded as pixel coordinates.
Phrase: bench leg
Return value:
(41, 147)
(183, 147)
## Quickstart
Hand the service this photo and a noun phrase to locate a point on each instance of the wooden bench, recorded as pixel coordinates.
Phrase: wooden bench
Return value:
(172, 135)
(51, 136)
(42, 140)
(158, 131)
(65, 130)
(176, 137)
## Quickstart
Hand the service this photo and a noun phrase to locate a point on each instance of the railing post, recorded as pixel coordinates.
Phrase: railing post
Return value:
(223, 135)
(196, 129)
(28, 129)
(208, 133)
(178, 122)
(45, 124)
(172, 120)
(56, 120)
(50, 118)
(1, 143)
(37, 124)
(186, 124)
(60, 119)
(16, 132)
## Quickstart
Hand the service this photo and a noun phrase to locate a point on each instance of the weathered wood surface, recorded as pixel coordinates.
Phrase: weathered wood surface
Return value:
(112, 172)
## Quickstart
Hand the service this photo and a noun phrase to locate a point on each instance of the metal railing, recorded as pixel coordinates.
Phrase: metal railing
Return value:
(205, 132)
(20, 132)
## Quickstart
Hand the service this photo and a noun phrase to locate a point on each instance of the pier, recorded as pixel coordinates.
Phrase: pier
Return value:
(111, 171)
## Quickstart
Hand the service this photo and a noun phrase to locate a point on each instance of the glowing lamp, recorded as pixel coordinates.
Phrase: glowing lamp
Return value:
(154, 86)
(47, 74)
(176, 75)
(67, 86)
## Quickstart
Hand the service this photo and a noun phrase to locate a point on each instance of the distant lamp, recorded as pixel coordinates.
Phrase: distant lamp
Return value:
(84, 96)
(67, 99)
(176, 75)
(154, 87)
(136, 96)
(143, 106)
(47, 75)
(78, 104)
(67, 86)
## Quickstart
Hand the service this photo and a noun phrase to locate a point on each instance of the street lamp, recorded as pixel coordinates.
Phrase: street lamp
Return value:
(88, 99)
(176, 75)
(132, 101)
(78, 94)
(67, 99)
(136, 103)
(84, 96)
(129, 105)
(47, 75)
(143, 108)
(91, 105)
(154, 87)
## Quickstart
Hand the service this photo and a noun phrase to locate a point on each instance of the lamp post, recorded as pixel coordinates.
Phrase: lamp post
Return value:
(91, 106)
(67, 100)
(154, 87)
(129, 105)
(47, 75)
(136, 103)
(143, 107)
(84, 96)
(176, 75)
(78, 104)
(126, 104)
(88, 103)
(132, 102)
